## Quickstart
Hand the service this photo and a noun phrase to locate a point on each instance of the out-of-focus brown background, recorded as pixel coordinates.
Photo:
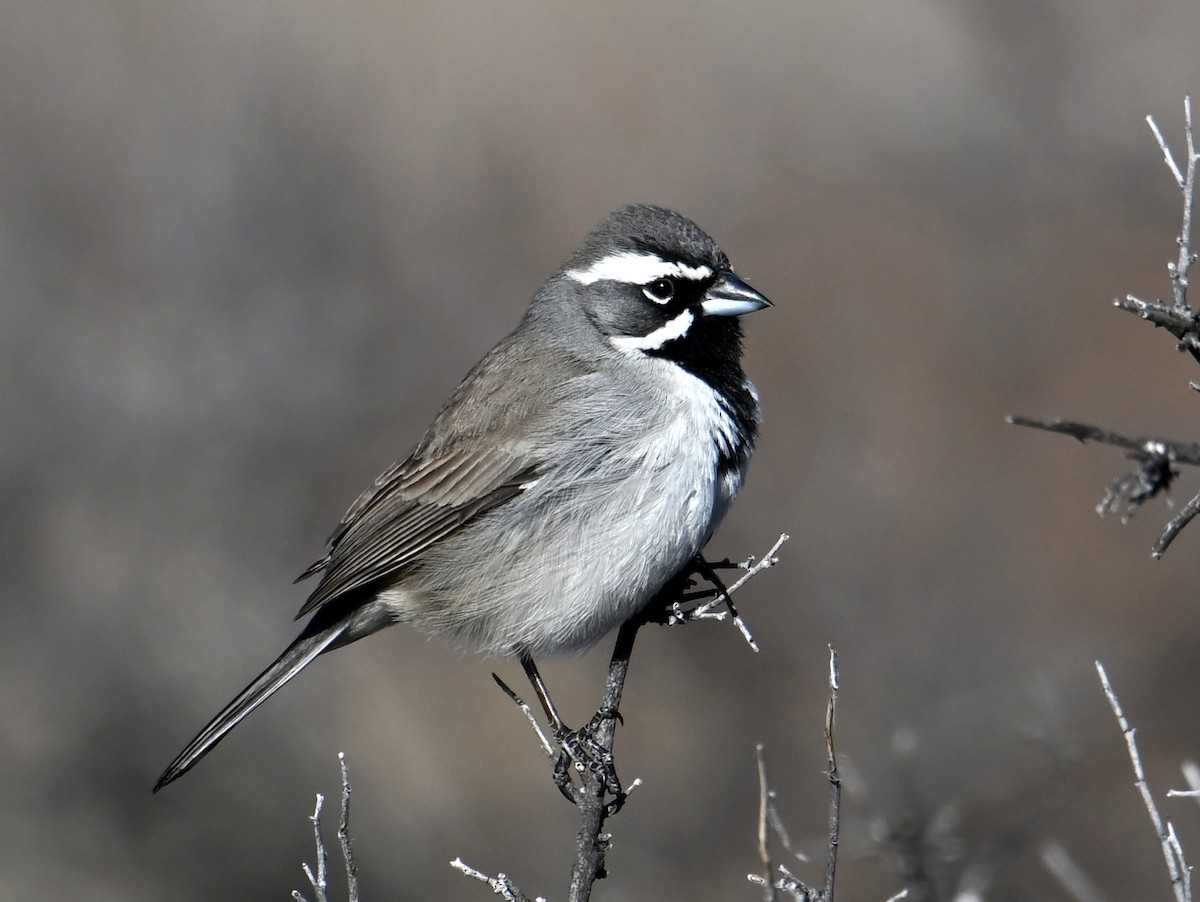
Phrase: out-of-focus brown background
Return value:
(246, 249)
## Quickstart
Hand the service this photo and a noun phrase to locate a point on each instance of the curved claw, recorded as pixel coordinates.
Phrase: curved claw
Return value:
(581, 749)
(562, 778)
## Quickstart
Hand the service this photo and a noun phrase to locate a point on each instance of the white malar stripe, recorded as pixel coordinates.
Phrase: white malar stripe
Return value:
(673, 329)
(636, 268)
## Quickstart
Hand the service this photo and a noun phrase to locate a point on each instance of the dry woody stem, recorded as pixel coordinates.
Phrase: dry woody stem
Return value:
(1155, 458)
(1177, 867)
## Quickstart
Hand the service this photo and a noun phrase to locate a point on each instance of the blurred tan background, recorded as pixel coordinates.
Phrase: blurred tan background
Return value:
(246, 249)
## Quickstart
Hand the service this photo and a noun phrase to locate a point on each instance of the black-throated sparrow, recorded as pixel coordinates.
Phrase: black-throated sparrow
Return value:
(580, 465)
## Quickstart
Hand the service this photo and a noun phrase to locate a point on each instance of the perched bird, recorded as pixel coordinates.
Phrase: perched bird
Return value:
(582, 464)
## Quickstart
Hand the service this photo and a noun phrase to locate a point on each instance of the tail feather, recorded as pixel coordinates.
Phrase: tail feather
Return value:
(297, 656)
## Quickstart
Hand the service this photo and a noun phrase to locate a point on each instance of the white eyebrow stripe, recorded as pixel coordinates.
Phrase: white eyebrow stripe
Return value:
(635, 268)
(674, 328)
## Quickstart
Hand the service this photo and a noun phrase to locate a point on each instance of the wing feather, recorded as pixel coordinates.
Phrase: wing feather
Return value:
(483, 449)
(410, 507)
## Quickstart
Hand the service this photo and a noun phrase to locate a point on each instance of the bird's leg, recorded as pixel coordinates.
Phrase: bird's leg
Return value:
(539, 689)
(578, 746)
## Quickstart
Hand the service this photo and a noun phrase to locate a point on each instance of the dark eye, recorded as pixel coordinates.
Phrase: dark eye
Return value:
(660, 290)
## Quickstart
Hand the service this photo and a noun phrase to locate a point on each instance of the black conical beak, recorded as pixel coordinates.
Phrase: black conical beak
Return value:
(730, 296)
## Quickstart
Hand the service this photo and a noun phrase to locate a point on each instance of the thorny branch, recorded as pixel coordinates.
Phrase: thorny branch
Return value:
(1178, 318)
(1177, 867)
(1155, 457)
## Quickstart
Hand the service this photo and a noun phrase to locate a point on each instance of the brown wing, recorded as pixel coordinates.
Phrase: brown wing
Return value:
(476, 456)
(414, 504)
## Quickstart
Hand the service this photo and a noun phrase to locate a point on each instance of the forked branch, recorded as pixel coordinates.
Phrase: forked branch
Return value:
(1155, 457)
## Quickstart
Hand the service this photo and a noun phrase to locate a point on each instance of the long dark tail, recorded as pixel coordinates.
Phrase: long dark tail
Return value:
(298, 656)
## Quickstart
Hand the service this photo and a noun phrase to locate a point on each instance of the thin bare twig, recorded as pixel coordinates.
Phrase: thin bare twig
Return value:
(769, 821)
(1187, 183)
(1186, 514)
(1138, 446)
(529, 715)
(344, 833)
(1191, 774)
(753, 568)
(678, 613)
(1181, 322)
(835, 781)
(768, 818)
(1177, 867)
(1162, 143)
(319, 881)
(764, 804)
(1178, 318)
(500, 884)
(1155, 457)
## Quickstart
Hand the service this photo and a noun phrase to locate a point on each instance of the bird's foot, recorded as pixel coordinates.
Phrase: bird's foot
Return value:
(583, 751)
